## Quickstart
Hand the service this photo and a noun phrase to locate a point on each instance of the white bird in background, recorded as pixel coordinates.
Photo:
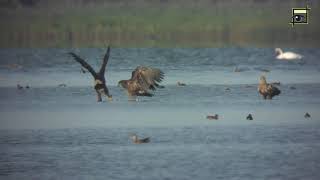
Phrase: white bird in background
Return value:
(287, 55)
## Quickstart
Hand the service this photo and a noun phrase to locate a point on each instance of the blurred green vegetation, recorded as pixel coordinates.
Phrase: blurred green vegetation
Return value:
(157, 24)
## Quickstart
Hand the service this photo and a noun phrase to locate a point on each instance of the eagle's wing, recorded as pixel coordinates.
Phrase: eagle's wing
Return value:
(84, 64)
(136, 89)
(272, 90)
(105, 61)
(147, 77)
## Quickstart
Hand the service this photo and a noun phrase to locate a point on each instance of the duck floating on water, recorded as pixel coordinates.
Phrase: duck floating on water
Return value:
(62, 85)
(181, 84)
(215, 117)
(249, 117)
(19, 86)
(286, 55)
(136, 140)
(307, 115)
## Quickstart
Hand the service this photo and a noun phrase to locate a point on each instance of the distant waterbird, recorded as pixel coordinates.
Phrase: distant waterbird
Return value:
(249, 117)
(99, 79)
(268, 91)
(142, 80)
(307, 115)
(62, 85)
(136, 140)
(83, 71)
(181, 84)
(262, 69)
(19, 86)
(286, 55)
(213, 117)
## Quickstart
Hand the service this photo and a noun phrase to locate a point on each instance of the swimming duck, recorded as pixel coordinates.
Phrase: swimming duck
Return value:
(180, 84)
(19, 86)
(62, 85)
(307, 115)
(249, 117)
(136, 140)
(215, 117)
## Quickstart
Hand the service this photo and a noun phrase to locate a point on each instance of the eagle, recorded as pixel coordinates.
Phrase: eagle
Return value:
(99, 79)
(142, 79)
(267, 90)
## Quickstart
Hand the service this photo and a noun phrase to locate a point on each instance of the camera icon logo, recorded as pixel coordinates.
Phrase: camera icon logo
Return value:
(300, 16)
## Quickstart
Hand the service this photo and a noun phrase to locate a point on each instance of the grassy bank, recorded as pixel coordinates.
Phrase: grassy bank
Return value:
(157, 25)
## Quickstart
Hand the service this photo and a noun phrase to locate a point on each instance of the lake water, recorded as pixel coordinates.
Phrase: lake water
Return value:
(51, 132)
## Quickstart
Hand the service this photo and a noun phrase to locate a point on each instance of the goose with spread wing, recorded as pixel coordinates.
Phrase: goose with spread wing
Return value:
(142, 80)
(99, 79)
(268, 91)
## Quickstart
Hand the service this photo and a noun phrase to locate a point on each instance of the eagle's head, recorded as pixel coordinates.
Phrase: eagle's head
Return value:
(123, 83)
(263, 80)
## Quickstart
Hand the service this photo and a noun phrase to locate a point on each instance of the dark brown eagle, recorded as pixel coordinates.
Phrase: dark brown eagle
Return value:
(142, 79)
(99, 80)
(267, 90)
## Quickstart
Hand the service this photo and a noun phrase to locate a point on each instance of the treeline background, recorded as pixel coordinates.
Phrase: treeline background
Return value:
(156, 23)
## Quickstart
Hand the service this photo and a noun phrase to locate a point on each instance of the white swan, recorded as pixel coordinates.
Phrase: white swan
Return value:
(287, 55)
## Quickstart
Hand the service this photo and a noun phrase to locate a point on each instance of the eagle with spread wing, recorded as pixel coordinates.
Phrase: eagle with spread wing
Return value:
(267, 90)
(99, 79)
(142, 80)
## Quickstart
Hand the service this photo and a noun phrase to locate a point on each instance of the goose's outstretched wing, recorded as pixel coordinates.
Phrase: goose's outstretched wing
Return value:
(83, 64)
